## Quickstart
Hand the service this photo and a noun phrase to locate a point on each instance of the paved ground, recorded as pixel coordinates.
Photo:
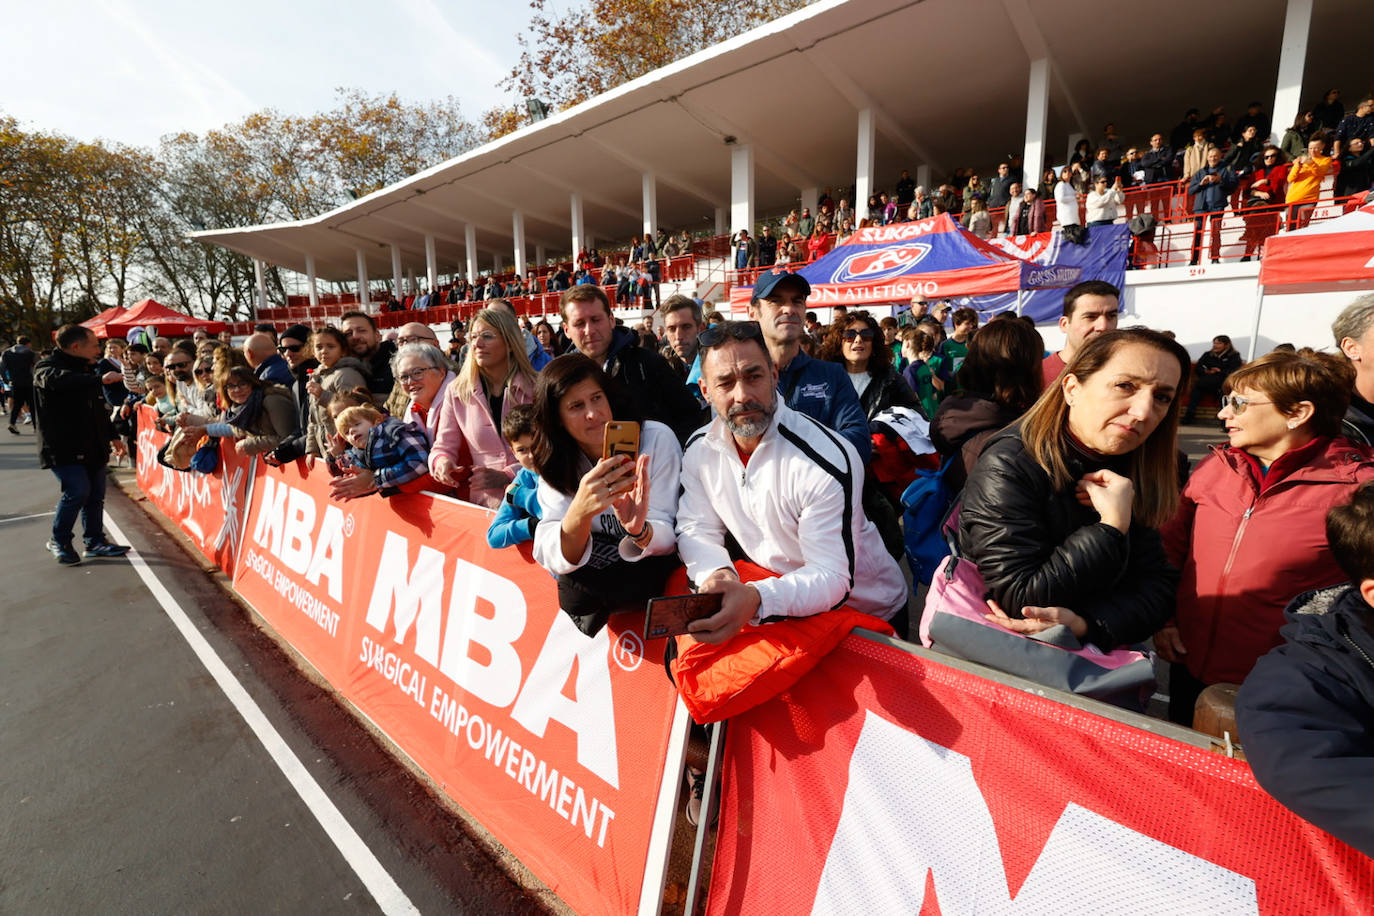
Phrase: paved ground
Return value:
(131, 784)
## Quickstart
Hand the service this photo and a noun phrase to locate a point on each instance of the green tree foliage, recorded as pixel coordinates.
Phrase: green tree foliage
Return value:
(84, 226)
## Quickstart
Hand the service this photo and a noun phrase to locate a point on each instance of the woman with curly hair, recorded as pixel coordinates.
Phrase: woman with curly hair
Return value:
(857, 343)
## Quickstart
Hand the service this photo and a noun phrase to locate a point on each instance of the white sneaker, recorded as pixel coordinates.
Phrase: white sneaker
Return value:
(696, 785)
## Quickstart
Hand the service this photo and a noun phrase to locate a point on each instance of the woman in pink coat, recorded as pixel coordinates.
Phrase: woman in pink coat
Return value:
(468, 449)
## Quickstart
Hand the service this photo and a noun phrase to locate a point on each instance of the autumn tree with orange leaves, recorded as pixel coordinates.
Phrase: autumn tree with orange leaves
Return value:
(569, 57)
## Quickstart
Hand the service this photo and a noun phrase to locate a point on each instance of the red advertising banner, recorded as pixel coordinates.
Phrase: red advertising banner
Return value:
(208, 508)
(888, 783)
(553, 740)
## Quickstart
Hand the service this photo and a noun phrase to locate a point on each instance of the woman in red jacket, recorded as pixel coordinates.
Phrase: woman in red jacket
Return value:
(1264, 206)
(1250, 531)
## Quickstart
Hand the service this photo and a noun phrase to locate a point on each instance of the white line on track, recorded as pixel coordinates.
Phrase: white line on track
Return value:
(383, 888)
(20, 518)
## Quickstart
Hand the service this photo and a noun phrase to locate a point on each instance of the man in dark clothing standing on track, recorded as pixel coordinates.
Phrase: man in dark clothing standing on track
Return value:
(17, 365)
(74, 435)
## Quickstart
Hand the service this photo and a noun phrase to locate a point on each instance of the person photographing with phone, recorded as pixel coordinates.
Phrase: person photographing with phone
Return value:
(608, 488)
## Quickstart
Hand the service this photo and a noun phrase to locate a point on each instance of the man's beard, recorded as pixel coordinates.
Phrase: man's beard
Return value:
(750, 429)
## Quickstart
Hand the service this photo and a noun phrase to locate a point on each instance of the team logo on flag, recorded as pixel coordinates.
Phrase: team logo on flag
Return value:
(868, 266)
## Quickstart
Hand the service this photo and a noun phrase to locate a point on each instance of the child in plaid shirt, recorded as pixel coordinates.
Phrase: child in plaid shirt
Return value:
(394, 452)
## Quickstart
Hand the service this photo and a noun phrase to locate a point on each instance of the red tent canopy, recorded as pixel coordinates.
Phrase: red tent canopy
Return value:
(97, 323)
(167, 322)
(1335, 250)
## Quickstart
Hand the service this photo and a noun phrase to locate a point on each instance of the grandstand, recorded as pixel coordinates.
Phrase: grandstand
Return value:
(873, 87)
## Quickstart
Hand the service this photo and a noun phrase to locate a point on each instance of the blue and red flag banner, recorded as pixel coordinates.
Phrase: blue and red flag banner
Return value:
(933, 257)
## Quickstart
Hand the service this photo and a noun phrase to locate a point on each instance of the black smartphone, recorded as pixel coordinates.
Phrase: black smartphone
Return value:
(669, 616)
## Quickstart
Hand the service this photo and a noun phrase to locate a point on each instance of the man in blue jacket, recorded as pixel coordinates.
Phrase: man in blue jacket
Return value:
(1210, 187)
(819, 389)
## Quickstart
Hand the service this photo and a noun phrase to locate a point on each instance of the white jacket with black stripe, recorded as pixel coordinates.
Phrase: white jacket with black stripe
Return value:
(794, 510)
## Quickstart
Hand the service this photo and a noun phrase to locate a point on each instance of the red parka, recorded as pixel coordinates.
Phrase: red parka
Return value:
(1249, 543)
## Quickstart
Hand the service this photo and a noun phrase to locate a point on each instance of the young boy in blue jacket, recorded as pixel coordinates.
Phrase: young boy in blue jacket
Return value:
(519, 512)
(1306, 711)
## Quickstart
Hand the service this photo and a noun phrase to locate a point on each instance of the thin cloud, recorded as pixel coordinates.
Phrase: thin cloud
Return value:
(208, 89)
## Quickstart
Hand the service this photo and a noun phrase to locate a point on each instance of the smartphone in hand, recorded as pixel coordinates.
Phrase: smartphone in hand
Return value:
(670, 615)
(621, 438)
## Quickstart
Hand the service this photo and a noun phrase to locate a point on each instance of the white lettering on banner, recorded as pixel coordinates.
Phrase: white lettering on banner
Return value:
(410, 594)
(564, 796)
(542, 698)
(416, 593)
(395, 669)
(907, 793)
(899, 232)
(324, 617)
(286, 527)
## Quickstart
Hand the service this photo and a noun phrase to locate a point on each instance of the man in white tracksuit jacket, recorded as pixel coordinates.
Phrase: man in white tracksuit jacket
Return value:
(765, 483)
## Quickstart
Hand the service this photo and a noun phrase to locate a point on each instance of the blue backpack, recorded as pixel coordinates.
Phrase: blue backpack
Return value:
(927, 501)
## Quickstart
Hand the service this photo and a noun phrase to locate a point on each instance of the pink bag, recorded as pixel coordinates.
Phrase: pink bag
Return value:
(954, 622)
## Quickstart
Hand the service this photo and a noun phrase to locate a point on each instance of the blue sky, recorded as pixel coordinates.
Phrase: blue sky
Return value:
(134, 70)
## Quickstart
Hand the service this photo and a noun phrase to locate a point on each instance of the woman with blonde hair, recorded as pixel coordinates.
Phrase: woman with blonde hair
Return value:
(1062, 510)
(468, 448)
(1250, 533)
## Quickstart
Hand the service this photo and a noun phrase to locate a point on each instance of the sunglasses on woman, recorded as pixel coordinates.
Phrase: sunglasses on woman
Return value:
(1238, 403)
(852, 333)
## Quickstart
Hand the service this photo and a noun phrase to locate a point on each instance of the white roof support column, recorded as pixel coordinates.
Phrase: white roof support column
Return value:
(863, 169)
(364, 300)
(741, 189)
(540, 258)
(410, 281)
(398, 290)
(470, 249)
(579, 226)
(922, 179)
(260, 276)
(1037, 116)
(722, 225)
(810, 199)
(310, 278)
(650, 187)
(431, 265)
(517, 226)
(1297, 22)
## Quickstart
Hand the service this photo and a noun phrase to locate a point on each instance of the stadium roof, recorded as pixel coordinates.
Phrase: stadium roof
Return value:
(946, 81)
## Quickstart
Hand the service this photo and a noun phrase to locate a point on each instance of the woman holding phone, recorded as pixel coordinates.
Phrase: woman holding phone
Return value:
(607, 528)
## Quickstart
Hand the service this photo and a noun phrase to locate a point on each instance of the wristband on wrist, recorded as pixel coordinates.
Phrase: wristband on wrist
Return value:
(642, 532)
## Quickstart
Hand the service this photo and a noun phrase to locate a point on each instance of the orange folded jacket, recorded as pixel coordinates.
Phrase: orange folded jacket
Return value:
(760, 662)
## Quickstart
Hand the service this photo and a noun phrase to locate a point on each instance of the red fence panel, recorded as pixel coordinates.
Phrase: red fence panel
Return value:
(886, 782)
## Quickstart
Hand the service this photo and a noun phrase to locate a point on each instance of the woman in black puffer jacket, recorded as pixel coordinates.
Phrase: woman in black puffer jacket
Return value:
(1061, 512)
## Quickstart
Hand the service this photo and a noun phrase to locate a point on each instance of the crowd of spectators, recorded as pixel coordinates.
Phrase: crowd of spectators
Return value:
(1200, 169)
(764, 466)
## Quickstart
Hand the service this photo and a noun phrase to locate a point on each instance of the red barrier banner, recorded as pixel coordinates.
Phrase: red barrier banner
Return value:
(208, 508)
(888, 783)
(553, 740)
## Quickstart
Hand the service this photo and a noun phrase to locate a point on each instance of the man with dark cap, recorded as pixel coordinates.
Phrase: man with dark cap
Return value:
(817, 388)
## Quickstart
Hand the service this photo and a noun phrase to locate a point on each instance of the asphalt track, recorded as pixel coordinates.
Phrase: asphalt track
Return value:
(161, 755)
